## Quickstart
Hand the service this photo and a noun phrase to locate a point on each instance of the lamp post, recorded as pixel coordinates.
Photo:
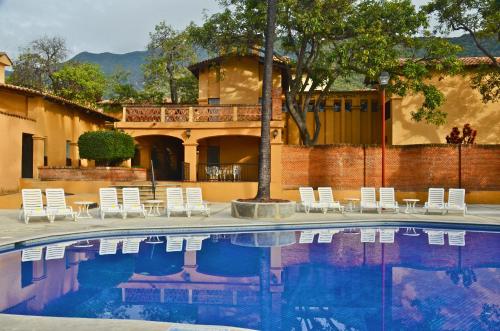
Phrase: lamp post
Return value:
(383, 81)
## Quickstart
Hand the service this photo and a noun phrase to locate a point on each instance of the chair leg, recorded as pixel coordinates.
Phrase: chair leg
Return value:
(124, 215)
(26, 219)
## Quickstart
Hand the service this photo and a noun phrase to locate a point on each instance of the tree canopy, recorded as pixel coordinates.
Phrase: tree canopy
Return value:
(320, 41)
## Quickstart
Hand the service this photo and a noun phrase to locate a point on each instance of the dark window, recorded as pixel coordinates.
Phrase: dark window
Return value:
(363, 105)
(26, 273)
(45, 153)
(310, 106)
(68, 153)
(213, 155)
(374, 106)
(214, 101)
(348, 105)
(27, 156)
(387, 110)
(337, 105)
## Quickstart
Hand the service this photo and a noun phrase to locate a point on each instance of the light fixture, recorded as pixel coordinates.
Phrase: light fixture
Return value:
(188, 133)
(275, 133)
(384, 78)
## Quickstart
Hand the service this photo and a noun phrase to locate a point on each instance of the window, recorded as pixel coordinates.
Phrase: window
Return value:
(214, 101)
(348, 105)
(387, 110)
(363, 105)
(374, 106)
(45, 153)
(68, 153)
(337, 105)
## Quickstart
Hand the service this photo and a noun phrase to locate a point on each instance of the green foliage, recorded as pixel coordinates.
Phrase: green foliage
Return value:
(81, 82)
(120, 89)
(106, 147)
(165, 72)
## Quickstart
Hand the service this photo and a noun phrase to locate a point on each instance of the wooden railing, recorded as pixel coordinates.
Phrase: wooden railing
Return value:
(195, 113)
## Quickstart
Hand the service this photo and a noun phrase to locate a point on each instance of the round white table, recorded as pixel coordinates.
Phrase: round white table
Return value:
(410, 205)
(351, 203)
(154, 207)
(83, 209)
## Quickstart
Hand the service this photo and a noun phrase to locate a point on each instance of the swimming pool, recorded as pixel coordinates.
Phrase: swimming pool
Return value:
(326, 279)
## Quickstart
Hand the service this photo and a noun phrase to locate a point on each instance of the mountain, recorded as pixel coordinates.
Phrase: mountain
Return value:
(134, 60)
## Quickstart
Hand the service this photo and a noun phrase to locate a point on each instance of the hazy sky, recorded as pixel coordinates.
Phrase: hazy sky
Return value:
(116, 26)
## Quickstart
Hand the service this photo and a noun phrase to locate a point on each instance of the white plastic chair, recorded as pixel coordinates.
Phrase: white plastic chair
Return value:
(108, 246)
(307, 236)
(33, 205)
(435, 237)
(326, 236)
(131, 245)
(368, 235)
(194, 201)
(175, 202)
(388, 200)
(326, 197)
(56, 204)
(174, 243)
(132, 202)
(56, 251)
(456, 238)
(368, 199)
(309, 202)
(456, 200)
(32, 254)
(193, 243)
(386, 235)
(435, 201)
(108, 202)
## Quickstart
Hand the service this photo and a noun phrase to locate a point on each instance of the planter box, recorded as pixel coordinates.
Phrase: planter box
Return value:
(260, 210)
(115, 174)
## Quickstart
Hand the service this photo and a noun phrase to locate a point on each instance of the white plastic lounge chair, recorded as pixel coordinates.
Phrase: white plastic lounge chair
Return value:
(174, 243)
(131, 245)
(175, 202)
(193, 243)
(56, 204)
(56, 251)
(435, 237)
(326, 236)
(368, 199)
(368, 235)
(307, 236)
(108, 202)
(456, 238)
(435, 201)
(309, 202)
(33, 205)
(456, 200)
(194, 201)
(386, 235)
(132, 202)
(32, 254)
(388, 200)
(108, 246)
(326, 198)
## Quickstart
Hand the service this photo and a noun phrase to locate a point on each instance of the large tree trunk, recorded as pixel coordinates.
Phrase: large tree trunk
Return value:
(264, 188)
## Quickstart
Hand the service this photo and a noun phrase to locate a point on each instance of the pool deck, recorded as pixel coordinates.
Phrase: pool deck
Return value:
(220, 221)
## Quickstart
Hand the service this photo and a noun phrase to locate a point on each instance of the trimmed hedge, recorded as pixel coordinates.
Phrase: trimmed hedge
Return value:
(109, 148)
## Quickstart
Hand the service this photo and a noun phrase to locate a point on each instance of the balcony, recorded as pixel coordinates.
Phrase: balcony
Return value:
(191, 113)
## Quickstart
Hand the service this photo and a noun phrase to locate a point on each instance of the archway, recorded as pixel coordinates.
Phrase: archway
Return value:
(166, 153)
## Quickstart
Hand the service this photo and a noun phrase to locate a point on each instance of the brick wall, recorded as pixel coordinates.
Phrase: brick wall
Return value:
(408, 168)
(116, 174)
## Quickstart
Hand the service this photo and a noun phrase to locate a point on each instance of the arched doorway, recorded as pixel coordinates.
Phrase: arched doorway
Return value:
(165, 153)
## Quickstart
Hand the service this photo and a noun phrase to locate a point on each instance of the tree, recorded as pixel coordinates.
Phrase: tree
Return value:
(81, 82)
(320, 41)
(108, 148)
(38, 62)
(120, 89)
(480, 19)
(468, 135)
(169, 54)
(264, 184)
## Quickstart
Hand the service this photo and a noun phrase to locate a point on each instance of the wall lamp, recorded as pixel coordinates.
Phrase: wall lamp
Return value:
(188, 133)
(275, 133)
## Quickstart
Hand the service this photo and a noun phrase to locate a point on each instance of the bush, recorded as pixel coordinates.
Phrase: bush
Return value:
(108, 148)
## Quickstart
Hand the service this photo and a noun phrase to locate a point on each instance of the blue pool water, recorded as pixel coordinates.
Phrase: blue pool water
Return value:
(413, 280)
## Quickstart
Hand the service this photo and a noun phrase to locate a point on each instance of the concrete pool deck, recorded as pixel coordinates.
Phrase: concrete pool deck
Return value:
(13, 230)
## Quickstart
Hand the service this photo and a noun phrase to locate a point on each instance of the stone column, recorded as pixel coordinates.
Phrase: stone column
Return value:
(38, 154)
(191, 158)
(276, 166)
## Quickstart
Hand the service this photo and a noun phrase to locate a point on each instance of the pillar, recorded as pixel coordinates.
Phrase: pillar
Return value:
(190, 157)
(276, 165)
(74, 154)
(38, 154)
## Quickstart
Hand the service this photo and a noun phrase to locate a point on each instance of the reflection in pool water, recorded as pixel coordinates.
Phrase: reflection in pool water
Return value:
(265, 281)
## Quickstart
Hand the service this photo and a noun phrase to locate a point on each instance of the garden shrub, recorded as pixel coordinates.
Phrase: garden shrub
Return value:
(106, 148)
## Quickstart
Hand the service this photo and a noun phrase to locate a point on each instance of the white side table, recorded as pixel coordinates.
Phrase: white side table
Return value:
(351, 203)
(83, 209)
(410, 205)
(154, 207)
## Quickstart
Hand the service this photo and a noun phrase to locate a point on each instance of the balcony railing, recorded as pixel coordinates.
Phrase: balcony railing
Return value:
(228, 172)
(195, 113)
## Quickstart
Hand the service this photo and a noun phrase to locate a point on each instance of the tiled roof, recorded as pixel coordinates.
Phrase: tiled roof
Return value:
(469, 60)
(59, 100)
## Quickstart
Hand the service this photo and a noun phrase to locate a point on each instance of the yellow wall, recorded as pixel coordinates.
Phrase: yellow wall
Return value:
(50, 124)
(463, 105)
